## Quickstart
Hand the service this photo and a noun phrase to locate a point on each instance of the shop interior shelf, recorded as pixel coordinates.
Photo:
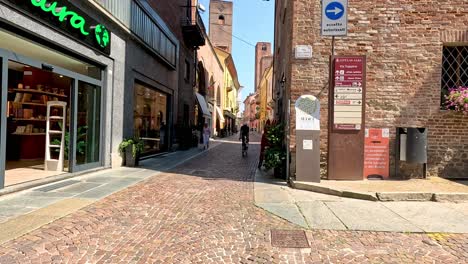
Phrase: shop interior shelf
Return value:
(29, 134)
(37, 91)
(29, 119)
(34, 104)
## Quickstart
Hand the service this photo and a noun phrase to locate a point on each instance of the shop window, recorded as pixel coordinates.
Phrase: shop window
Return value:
(150, 119)
(187, 71)
(30, 89)
(454, 68)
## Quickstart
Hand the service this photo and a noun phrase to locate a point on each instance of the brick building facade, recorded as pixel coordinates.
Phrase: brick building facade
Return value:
(174, 13)
(414, 51)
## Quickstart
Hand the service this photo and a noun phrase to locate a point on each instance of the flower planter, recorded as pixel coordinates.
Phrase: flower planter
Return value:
(130, 160)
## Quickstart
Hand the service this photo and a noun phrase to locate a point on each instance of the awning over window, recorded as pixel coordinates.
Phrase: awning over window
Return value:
(229, 114)
(220, 114)
(203, 105)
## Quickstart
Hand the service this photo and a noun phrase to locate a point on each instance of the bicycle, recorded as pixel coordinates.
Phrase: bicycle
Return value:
(245, 146)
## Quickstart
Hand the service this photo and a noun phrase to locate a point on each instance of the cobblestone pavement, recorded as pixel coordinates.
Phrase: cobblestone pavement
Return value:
(203, 212)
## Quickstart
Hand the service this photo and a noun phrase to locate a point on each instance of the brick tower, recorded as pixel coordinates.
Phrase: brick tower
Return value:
(221, 24)
(263, 59)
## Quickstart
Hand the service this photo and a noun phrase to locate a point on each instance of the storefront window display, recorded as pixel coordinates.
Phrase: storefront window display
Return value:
(150, 119)
(52, 105)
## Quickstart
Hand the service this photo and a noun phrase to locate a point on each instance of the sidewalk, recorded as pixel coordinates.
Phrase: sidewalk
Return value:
(431, 189)
(28, 210)
(320, 211)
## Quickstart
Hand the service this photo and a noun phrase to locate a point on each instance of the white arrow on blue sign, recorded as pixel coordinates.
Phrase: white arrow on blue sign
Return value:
(334, 17)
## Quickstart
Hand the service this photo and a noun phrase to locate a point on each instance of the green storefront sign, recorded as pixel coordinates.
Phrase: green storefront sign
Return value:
(66, 17)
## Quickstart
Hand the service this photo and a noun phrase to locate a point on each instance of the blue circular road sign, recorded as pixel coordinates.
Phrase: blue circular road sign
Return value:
(334, 10)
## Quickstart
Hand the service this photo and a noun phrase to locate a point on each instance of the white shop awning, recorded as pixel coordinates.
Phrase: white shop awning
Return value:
(203, 105)
(220, 114)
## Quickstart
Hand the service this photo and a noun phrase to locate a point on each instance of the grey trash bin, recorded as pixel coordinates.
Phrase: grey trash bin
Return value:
(416, 145)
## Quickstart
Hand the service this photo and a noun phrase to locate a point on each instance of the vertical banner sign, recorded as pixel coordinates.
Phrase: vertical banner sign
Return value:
(347, 117)
(376, 153)
(347, 94)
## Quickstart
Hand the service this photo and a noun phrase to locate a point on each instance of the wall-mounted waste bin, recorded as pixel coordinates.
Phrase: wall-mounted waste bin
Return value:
(416, 145)
(411, 147)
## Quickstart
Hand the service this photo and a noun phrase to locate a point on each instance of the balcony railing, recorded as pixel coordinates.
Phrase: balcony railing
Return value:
(193, 27)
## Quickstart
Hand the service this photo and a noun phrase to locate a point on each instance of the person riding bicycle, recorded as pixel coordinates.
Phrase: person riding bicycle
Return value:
(244, 135)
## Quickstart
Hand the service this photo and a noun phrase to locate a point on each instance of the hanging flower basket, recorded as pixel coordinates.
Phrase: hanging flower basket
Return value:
(457, 99)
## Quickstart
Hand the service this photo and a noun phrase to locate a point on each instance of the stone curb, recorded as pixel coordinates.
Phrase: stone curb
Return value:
(315, 188)
(382, 196)
(404, 196)
(450, 197)
(35, 183)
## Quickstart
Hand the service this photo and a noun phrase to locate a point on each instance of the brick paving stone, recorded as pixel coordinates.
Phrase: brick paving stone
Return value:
(203, 212)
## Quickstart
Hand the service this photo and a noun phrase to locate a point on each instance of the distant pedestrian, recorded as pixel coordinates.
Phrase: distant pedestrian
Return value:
(264, 143)
(206, 136)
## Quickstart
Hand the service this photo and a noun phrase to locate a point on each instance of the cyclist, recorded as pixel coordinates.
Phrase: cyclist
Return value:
(244, 135)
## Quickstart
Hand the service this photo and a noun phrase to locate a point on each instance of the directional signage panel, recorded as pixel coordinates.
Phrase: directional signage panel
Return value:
(348, 102)
(348, 92)
(334, 17)
(348, 108)
(341, 90)
(348, 96)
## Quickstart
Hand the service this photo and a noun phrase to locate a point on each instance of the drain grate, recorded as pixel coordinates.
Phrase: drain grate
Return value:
(289, 239)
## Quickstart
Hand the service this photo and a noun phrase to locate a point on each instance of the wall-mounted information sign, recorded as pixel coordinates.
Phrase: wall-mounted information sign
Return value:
(69, 19)
(348, 90)
(308, 113)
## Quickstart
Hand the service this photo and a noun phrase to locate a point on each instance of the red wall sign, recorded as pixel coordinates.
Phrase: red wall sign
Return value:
(376, 153)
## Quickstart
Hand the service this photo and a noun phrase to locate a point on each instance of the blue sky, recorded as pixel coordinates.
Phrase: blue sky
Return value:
(253, 22)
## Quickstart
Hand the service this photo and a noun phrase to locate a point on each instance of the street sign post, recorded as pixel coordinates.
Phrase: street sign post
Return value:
(347, 108)
(334, 17)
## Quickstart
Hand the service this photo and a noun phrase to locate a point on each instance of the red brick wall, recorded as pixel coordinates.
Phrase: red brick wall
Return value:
(403, 43)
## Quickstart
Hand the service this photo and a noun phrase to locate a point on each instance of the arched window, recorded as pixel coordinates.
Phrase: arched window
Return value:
(221, 20)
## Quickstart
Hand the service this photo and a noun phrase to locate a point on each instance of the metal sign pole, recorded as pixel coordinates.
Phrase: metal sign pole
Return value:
(288, 138)
(333, 46)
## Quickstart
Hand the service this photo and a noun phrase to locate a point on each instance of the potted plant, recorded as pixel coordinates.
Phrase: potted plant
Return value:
(131, 149)
(457, 99)
(275, 154)
(80, 142)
